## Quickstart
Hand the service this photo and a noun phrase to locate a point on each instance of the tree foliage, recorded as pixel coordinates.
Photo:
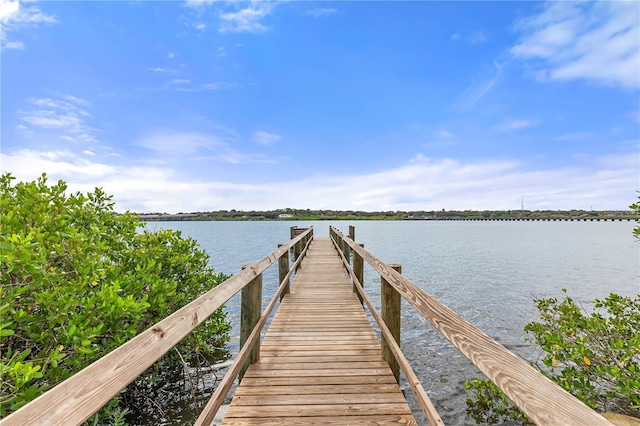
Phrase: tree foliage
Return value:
(78, 280)
(594, 355)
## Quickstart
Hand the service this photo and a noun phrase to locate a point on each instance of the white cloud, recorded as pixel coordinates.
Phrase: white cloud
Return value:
(210, 86)
(159, 69)
(14, 15)
(8, 9)
(575, 136)
(445, 134)
(516, 125)
(597, 41)
(199, 3)
(17, 45)
(171, 55)
(179, 81)
(478, 89)
(606, 182)
(322, 11)
(215, 145)
(28, 164)
(65, 114)
(200, 26)
(172, 143)
(246, 20)
(477, 37)
(265, 138)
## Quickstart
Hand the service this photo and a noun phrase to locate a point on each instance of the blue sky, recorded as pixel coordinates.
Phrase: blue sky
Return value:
(206, 105)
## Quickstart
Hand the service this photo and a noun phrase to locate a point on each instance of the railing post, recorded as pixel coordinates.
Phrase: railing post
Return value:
(346, 251)
(283, 270)
(250, 311)
(358, 270)
(391, 316)
(295, 250)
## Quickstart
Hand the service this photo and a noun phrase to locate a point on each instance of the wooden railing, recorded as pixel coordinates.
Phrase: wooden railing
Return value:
(77, 398)
(544, 402)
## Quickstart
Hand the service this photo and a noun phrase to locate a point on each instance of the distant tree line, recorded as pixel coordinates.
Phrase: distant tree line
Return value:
(308, 214)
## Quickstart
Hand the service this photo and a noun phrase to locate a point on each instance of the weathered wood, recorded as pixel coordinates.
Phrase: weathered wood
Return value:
(358, 270)
(391, 316)
(346, 251)
(77, 398)
(418, 390)
(344, 410)
(320, 357)
(324, 398)
(250, 313)
(316, 389)
(283, 270)
(215, 402)
(539, 398)
(379, 420)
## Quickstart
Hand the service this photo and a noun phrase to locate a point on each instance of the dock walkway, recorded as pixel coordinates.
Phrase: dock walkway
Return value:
(320, 361)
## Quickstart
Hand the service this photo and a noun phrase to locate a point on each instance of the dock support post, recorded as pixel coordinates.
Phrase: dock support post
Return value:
(358, 270)
(391, 316)
(283, 270)
(295, 250)
(250, 311)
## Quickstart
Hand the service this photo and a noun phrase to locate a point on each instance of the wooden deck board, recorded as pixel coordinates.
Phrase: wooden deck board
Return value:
(320, 359)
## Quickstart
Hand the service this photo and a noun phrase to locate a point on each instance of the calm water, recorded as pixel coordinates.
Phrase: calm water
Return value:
(488, 272)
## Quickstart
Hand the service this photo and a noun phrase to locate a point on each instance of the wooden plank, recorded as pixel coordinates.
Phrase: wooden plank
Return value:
(77, 398)
(379, 420)
(317, 410)
(320, 399)
(302, 364)
(537, 396)
(316, 373)
(315, 359)
(316, 389)
(273, 351)
(327, 380)
(320, 359)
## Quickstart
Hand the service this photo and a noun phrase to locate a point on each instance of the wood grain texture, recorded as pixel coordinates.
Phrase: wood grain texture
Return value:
(375, 420)
(542, 400)
(250, 312)
(217, 398)
(320, 359)
(77, 398)
(390, 309)
(418, 390)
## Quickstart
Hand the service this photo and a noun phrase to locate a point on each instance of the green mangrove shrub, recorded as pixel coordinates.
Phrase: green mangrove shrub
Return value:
(594, 354)
(77, 280)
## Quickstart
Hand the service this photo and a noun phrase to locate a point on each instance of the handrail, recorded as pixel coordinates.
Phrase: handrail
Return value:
(217, 398)
(77, 398)
(421, 395)
(543, 401)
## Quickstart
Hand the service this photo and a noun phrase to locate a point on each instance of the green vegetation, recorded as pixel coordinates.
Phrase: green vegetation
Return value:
(78, 280)
(594, 355)
(300, 214)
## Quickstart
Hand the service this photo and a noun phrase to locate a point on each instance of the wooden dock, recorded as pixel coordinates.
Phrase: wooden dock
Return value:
(320, 361)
